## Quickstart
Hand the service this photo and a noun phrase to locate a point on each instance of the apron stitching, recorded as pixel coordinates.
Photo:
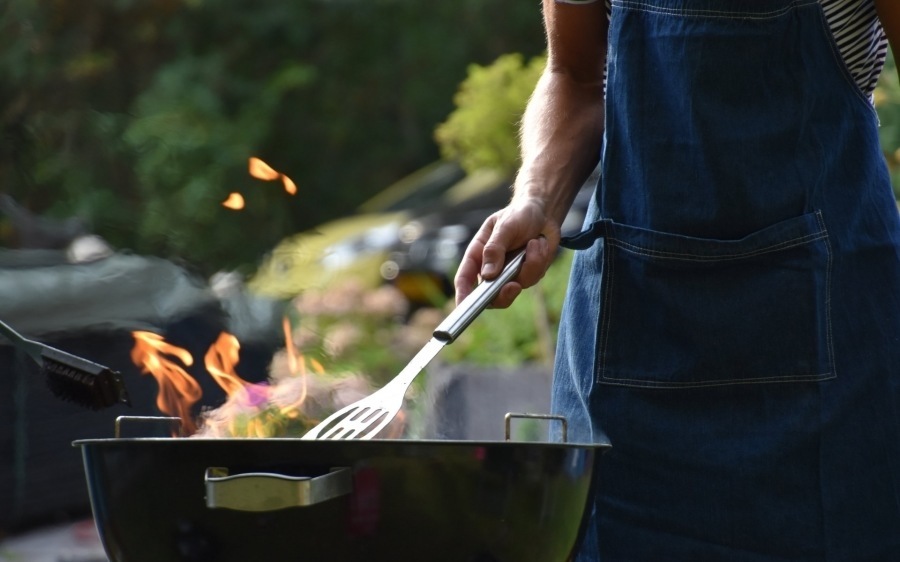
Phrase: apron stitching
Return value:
(784, 245)
(640, 6)
(606, 313)
(719, 382)
(828, 332)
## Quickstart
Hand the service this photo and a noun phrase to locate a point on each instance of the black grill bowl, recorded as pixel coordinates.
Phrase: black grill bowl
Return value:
(407, 500)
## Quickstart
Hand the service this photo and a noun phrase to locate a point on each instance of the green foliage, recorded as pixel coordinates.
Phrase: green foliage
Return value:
(482, 132)
(352, 329)
(193, 130)
(887, 101)
(523, 333)
(139, 115)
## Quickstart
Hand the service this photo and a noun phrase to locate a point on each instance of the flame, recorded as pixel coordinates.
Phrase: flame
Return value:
(261, 170)
(259, 410)
(220, 361)
(178, 391)
(235, 201)
(296, 365)
(289, 184)
(254, 410)
(277, 407)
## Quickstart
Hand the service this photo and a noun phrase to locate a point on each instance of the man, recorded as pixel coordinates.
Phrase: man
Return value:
(732, 323)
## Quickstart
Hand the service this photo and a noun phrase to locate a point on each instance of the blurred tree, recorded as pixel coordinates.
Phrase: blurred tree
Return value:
(139, 115)
(482, 132)
(887, 102)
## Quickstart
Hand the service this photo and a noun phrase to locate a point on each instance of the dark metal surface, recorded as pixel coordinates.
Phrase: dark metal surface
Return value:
(453, 501)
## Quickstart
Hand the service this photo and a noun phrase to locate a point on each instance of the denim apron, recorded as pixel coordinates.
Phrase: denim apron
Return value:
(732, 325)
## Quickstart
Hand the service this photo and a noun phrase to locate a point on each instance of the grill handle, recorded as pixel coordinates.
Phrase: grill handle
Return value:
(262, 491)
(548, 417)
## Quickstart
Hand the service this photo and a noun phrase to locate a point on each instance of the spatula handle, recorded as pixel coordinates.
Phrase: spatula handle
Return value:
(477, 301)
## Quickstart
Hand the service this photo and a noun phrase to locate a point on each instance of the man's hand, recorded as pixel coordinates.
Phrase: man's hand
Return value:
(519, 224)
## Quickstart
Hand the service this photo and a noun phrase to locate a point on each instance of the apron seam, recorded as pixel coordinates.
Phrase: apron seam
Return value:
(606, 312)
(828, 266)
(784, 245)
(714, 14)
(643, 383)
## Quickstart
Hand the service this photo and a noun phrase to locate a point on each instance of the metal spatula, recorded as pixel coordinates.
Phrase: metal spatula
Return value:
(365, 418)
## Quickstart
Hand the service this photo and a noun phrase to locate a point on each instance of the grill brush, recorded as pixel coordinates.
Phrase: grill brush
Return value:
(72, 378)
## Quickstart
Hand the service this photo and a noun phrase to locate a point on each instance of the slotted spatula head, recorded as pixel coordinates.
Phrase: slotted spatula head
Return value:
(365, 418)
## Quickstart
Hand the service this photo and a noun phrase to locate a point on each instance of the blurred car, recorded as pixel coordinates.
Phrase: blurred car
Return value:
(354, 246)
(423, 261)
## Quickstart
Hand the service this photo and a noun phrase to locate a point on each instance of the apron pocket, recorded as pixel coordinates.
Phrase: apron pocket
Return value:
(682, 312)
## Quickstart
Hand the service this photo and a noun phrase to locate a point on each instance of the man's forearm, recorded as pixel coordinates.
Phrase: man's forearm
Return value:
(561, 136)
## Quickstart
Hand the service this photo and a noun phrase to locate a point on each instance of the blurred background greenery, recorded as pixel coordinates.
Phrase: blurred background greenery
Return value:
(139, 116)
(887, 101)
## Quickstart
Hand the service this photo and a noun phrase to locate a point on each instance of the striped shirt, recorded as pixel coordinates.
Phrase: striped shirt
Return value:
(860, 39)
(857, 32)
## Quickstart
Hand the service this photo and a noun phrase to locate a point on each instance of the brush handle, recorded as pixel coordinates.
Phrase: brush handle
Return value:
(32, 348)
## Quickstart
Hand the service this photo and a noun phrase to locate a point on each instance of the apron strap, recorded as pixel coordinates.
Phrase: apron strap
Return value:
(586, 238)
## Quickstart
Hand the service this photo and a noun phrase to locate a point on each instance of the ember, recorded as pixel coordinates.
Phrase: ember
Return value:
(261, 170)
(235, 201)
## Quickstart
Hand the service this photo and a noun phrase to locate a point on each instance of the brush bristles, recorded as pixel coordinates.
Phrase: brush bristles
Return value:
(83, 382)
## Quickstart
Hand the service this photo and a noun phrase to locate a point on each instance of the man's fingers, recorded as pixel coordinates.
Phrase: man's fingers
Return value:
(466, 278)
(507, 295)
(472, 262)
(537, 259)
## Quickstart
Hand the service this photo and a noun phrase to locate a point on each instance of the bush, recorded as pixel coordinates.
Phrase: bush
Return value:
(483, 130)
(887, 102)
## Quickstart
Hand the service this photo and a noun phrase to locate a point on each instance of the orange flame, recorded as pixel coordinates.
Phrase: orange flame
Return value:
(178, 391)
(220, 361)
(289, 184)
(261, 170)
(255, 410)
(235, 201)
(297, 367)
